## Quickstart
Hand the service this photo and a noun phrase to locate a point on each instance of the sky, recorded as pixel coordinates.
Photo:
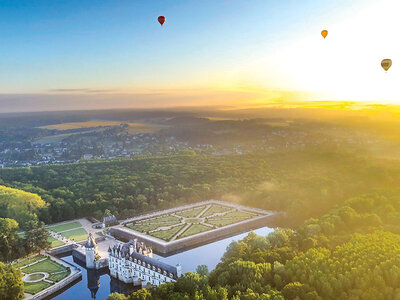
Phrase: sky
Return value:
(87, 54)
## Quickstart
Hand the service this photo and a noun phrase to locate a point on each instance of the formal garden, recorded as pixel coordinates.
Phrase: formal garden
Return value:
(189, 222)
(40, 272)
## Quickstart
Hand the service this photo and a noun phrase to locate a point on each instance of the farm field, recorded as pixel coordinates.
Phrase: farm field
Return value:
(201, 218)
(132, 127)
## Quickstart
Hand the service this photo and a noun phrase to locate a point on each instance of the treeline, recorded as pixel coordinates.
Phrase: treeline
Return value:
(305, 184)
(348, 253)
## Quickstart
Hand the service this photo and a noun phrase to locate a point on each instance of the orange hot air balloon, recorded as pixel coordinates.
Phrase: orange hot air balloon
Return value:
(161, 20)
(386, 64)
(324, 33)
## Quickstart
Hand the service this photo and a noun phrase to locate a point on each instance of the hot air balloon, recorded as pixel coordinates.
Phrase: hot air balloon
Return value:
(386, 64)
(324, 33)
(161, 20)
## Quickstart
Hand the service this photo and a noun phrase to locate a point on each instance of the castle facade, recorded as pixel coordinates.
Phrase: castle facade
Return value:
(133, 262)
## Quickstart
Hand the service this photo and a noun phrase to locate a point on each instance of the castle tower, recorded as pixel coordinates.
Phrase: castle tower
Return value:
(91, 252)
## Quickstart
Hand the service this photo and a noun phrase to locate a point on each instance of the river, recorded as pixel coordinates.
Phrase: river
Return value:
(101, 285)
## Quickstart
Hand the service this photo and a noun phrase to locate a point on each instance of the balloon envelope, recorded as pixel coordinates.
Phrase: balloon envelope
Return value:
(386, 64)
(324, 33)
(161, 20)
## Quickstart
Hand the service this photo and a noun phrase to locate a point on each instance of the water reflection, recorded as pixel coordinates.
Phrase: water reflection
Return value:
(99, 285)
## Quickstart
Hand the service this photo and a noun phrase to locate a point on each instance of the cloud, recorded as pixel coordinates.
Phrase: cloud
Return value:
(83, 90)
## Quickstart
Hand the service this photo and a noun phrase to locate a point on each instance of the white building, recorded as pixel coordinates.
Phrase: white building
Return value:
(91, 252)
(133, 263)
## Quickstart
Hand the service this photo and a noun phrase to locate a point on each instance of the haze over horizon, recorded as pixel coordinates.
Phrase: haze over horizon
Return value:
(73, 55)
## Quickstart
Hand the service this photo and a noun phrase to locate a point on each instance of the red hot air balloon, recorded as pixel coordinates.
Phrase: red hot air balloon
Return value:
(161, 20)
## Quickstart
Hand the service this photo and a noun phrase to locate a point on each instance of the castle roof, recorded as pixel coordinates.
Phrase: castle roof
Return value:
(91, 242)
(123, 250)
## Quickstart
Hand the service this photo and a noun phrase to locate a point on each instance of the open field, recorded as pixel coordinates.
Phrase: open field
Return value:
(64, 227)
(132, 129)
(52, 139)
(76, 235)
(201, 218)
(35, 287)
(48, 266)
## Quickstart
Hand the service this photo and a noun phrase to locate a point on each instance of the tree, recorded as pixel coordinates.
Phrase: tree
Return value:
(202, 270)
(8, 239)
(11, 285)
(142, 294)
(37, 238)
(116, 296)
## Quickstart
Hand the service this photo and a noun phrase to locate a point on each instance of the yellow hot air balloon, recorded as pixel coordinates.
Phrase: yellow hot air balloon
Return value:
(386, 64)
(324, 33)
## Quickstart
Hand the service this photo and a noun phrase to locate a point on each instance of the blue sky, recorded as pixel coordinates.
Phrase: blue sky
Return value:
(118, 46)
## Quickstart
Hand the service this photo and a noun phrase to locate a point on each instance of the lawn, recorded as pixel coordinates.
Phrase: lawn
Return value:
(59, 276)
(48, 266)
(163, 220)
(191, 213)
(54, 242)
(67, 226)
(194, 220)
(167, 235)
(195, 229)
(29, 261)
(33, 288)
(143, 227)
(218, 221)
(239, 214)
(215, 209)
(36, 276)
(76, 235)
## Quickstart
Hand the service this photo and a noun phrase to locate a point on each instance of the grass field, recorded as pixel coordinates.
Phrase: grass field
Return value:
(76, 235)
(33, 288)
(28, 261)
(191, 213)
(59, 276)
(66, 226)
(55, 243)
(194, 220)
(167, 235)
(215, 209)
(195, 229)
(132, 129)
(36, 276)
(48, 266)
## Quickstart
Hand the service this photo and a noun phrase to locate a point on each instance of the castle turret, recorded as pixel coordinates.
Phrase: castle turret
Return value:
(91, 252)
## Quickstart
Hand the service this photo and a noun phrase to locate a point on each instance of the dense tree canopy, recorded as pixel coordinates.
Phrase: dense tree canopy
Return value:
(11, 285)
(19, 205)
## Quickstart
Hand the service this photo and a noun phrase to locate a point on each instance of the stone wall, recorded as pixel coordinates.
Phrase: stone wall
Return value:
(195, 240)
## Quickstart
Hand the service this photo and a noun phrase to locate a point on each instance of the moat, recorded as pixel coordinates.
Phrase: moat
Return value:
(100, 285)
